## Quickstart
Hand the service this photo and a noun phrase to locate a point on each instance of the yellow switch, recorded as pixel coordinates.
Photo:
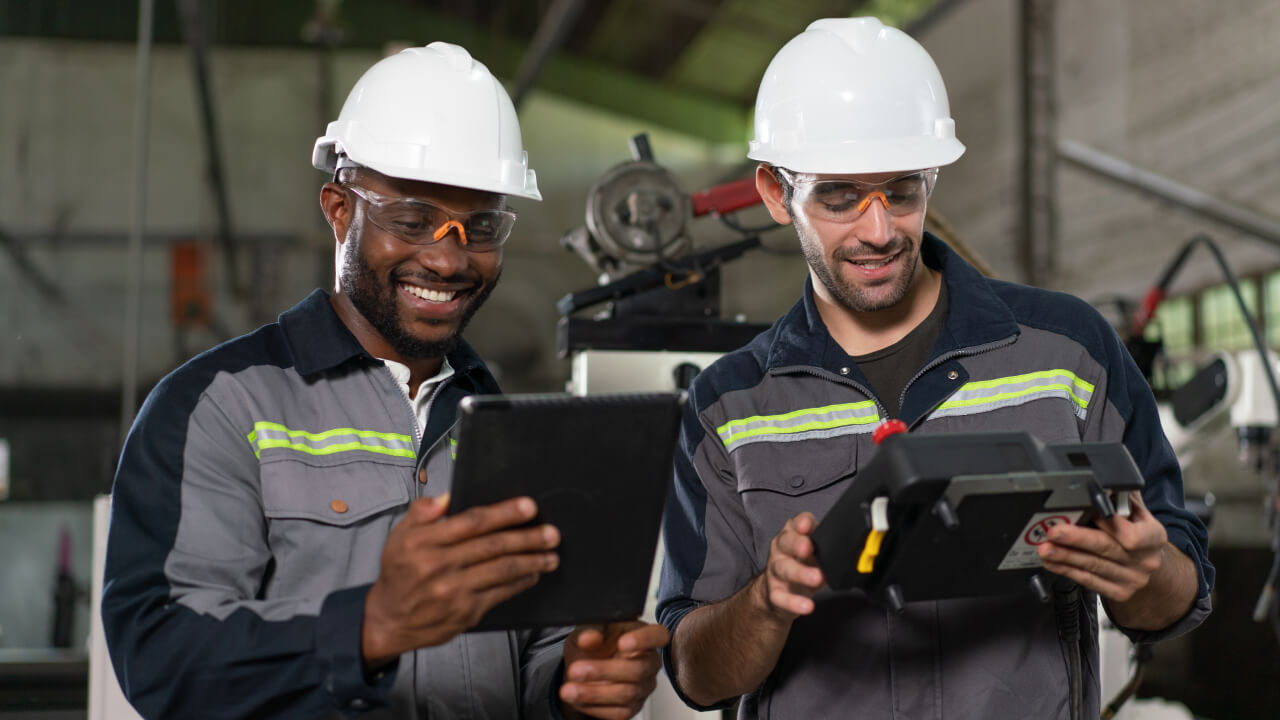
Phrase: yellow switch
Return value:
(867, 560)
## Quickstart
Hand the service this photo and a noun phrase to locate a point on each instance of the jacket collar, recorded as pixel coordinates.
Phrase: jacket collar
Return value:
(976, 316)
(318, 340)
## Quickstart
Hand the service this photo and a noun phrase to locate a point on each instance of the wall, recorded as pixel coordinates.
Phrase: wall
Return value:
(1184, 88)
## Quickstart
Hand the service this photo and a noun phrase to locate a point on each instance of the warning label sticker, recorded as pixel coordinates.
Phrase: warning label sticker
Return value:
(1023, 553)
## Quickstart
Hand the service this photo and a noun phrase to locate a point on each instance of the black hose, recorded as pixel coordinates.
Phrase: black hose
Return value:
(1142, 654)
(1066, 606)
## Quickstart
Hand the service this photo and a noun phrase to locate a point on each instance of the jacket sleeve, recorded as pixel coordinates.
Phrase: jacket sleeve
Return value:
(188, 633)
(1130, 416)
(705, 531)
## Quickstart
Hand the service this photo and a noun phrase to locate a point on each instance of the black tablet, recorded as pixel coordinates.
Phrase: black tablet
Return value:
(599, 467)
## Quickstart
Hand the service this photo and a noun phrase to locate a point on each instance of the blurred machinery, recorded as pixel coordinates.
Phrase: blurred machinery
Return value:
(660, 295)
(1229, 392)
(1242, 387)
(661, 319)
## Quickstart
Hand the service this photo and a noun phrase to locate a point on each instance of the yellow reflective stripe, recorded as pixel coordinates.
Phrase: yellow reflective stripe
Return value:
(980, 384)
(795, 413)
(453, 449)
(299, 440)
(261, 425)
(1035, 389)
(331, 449)
(815, 425)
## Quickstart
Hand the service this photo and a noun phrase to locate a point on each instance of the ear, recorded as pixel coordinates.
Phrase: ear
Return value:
(336, 204)
(770, 189)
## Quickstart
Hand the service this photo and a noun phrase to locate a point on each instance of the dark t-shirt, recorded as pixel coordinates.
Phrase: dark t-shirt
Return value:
(889, 370)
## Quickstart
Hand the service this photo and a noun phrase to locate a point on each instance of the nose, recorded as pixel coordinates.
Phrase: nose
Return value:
(875, 224)
(446, 256)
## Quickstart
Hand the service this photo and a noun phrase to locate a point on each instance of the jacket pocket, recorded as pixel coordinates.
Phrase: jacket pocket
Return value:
(340, 495)
(779, 480)
(327, 525)
(795, 468)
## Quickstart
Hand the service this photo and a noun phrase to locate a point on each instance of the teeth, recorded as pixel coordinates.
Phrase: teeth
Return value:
(871, 264)
(429, 295)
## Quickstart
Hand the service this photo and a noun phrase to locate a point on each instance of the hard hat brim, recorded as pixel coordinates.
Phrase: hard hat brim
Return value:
(858, 158)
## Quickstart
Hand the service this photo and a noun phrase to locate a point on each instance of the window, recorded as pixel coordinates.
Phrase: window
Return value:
(1222, 326)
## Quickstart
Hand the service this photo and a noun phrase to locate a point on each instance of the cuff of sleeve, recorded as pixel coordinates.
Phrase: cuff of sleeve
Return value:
(1200, 610)
(338, 640)
(671, 617)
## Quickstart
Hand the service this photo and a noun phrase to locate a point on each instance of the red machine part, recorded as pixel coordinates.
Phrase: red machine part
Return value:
(726, 198)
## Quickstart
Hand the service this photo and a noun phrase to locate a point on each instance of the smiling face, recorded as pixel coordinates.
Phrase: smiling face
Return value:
(407, 302)
(865, 261)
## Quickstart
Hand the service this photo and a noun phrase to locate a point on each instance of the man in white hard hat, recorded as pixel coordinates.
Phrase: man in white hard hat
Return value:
(279, 544)
(851, 125)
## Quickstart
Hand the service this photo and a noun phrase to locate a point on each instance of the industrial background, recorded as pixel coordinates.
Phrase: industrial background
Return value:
(1102, 136)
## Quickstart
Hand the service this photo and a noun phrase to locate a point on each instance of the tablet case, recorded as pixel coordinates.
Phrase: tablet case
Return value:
(599, 468)
(965, 512)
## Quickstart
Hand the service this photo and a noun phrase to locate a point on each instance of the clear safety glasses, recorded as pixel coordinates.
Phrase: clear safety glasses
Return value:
(424, 223)
(844, 200)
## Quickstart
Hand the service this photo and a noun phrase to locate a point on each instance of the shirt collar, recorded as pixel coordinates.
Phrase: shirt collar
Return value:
(318, 340)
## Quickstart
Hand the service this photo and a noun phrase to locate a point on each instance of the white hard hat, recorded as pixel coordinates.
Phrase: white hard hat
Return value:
(431, 113)
(851, 95)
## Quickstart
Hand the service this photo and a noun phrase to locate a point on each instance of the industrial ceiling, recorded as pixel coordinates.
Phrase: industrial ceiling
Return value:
(688, 65)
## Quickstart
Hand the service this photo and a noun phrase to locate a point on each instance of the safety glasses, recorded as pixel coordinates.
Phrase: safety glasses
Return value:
(421, 222)
(844, 200)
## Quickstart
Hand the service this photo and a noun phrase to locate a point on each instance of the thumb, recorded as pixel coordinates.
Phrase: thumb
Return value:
(1137, 508)
(429, 509)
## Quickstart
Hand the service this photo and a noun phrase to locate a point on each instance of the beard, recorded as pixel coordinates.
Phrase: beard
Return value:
(850, 295)
(377, 301)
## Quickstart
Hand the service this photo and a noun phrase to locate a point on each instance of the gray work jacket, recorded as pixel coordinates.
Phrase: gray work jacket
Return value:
(783, 425)
(250, 508)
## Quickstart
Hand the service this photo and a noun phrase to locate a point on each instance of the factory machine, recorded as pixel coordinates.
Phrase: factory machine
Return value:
(656, 321)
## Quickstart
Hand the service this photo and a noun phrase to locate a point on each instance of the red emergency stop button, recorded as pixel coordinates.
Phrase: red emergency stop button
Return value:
(887, 428)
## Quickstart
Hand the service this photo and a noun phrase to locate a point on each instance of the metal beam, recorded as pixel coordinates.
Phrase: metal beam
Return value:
(1168, 190)
(547, 39)
(193, 28)
(1039, 243)
(133, 289)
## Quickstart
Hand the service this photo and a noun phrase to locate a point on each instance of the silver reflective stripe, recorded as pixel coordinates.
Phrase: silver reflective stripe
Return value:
(987, 395)
(804, 424)
(268, 435)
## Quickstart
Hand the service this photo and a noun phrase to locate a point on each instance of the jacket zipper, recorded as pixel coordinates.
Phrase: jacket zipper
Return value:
(963, 352)
(828, 375)
(407, 405)
(413, 417)
(417, 468)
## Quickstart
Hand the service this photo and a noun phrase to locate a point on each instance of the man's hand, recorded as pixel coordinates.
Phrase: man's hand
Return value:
(791, 576)
(1148, 583)
(610, 669)
(440, 575)
(728, 648)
